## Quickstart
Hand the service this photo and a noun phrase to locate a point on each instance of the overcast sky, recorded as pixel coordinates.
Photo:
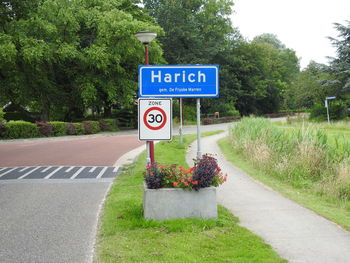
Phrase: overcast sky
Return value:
(302, 25)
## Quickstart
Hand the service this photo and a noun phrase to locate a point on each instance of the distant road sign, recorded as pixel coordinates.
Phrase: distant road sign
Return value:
(155, 119)
(194, 81)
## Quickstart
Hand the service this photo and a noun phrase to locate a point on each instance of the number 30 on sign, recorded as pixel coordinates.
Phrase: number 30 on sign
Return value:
(155, 119)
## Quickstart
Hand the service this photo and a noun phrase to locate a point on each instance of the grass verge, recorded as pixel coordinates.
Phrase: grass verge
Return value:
(125, 236)
(336, 211)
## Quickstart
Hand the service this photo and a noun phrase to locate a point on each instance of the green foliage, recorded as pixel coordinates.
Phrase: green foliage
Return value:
(20, 129)
(196, 30)
(306, 90)
(1, 115)
(61, 57)
(337, 111)
(59, 128)
(91, 127)
(108, 124)
(17, 116)
(79, 128)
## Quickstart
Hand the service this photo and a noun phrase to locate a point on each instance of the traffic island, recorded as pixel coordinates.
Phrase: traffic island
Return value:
(172, 203)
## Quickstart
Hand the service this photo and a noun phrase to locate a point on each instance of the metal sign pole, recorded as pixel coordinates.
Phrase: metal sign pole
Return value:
(180, 128)
(148, 156)
(326, 103)
(199, 152)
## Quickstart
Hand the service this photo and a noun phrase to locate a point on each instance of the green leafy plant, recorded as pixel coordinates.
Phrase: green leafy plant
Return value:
(1, 115)
(79, 128)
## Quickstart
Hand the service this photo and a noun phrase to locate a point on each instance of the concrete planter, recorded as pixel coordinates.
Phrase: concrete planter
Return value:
(171, 203)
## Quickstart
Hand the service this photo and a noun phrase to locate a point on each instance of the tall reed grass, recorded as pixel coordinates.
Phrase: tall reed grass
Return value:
(306, 157)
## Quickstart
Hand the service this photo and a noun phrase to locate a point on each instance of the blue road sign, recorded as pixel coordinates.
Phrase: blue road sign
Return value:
(197, 81)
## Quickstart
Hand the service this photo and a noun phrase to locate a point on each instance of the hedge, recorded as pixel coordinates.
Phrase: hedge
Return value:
(20, 129)
(59, 128)
(24, 129)
(91, 127)
(1, 115)
(207, 121)
(45, 128)
(108, 124)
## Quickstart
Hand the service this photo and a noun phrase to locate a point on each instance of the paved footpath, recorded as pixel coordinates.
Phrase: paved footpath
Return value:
(296, 233)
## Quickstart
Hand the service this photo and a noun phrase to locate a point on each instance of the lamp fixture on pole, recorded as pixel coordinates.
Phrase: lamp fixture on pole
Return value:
(145, 37)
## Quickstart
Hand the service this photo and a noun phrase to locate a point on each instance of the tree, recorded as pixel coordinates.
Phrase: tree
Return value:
(307, 90)
(259, 73)
(195, 30)
(340, 66)
(62, 57)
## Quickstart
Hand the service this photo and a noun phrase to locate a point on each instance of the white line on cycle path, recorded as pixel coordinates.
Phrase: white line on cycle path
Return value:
(296, 233)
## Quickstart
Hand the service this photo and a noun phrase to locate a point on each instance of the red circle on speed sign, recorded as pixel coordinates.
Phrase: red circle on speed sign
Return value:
(155, 118)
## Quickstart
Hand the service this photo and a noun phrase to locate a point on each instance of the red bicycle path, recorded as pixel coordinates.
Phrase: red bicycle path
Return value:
(89, 151)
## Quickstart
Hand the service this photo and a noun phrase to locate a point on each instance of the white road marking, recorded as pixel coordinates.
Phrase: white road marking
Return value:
(92, 169)
(9, 171)
(101, 173)
(2, 168)
(52, 173)
(77, 172)
(47, 168)
(70, 169)
(36, 168)
(115, 169)
(24, 168)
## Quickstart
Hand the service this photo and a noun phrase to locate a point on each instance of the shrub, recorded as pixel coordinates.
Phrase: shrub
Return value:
(79, 128)
(91, 127)
(20, 129)
(59, 128)
(70, 129)
(337, 111)
(45, 128)
(1, 115)
(154, 178)
(108, 124)
(2, 129)
(205, 169)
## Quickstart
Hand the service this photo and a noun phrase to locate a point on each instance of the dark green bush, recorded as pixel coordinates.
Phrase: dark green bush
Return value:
(45, 128)
(59, 128)
(91, 127)
(108, 125)
(20, 129)
(337, 111)
(17, 116)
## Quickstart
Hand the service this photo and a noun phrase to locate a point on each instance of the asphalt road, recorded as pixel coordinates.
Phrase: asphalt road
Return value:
(55, 220)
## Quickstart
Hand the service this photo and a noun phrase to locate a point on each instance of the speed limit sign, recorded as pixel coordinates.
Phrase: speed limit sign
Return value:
(155, 119)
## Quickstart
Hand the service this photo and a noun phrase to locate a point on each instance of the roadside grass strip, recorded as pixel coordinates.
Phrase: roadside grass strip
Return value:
(125, 236)
(315, 194)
